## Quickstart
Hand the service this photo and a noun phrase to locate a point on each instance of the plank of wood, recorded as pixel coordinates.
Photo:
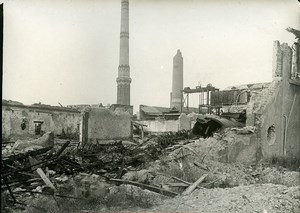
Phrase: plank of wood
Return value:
(185, 182)
(177, 184)
(191, 150)
(145, 186)
(201, 166)
(33, 161)
(45, 178)
(193, 186)
(180, 180)
(63, 147)
(29, 168)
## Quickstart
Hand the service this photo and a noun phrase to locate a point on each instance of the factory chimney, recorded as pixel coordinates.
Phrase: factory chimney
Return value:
(124, 80)
(177, 84)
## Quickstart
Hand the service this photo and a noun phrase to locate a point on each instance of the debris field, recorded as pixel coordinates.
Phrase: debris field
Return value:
(170, 172)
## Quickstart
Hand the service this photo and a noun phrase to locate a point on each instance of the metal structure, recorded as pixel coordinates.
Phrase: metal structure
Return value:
(204, 97)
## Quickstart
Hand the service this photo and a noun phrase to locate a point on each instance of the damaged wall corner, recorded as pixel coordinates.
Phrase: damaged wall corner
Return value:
(278, 107)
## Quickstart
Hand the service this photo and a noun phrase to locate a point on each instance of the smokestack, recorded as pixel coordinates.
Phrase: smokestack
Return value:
(177, 84)
(124, 80)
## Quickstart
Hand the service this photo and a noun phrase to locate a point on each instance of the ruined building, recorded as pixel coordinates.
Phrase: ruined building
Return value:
(19, 120)
(275, 112)
(269, 111)
(88, 124)
(177, 83)
(124, 80)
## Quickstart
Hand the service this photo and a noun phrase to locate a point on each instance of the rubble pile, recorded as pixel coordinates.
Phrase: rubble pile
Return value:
(35, 166)
(71, 177)
(253, 198)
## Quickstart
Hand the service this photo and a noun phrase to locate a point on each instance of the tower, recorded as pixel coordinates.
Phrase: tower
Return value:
(123, 79)
(177, 84)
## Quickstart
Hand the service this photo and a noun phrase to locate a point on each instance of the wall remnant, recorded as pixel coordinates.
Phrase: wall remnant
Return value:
(278, 107)
(104, 124)
(121, 108)
(19, 120)
(161, 125)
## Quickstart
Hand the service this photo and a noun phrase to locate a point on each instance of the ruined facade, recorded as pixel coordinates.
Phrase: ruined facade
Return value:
(272, 108)
(87, 125)
(275, 111)
(19, 119)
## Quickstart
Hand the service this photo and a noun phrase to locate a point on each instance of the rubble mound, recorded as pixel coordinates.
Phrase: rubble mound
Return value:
(280, 176)
(253, 198)
(47, 140)
(203, 175)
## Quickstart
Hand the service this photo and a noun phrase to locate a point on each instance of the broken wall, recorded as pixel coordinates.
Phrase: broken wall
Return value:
(54, 120)
(231, 146)
(161, 125)
(184, 122)
(276, 110)
(121, 108)
(104, 124)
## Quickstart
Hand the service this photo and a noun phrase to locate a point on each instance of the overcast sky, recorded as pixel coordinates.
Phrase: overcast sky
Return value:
(67, 51)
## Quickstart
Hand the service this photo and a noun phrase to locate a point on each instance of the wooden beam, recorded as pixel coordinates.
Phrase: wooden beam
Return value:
(144, 186)
(192, 187)
(45, 178)
(185, 182)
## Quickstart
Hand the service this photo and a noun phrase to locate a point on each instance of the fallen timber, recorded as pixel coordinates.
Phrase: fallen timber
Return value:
(109, 160)
(145, 186)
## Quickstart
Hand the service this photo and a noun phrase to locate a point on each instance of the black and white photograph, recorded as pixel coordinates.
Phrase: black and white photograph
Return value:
(150, 106)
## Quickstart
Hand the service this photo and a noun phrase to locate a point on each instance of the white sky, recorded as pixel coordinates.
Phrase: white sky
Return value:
(67, 51)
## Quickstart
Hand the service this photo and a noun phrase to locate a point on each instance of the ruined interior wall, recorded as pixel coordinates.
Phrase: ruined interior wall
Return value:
(275, 111)
(70, 122)
(184, 122)
(161, 125)
(103, 124)
(54, 121)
